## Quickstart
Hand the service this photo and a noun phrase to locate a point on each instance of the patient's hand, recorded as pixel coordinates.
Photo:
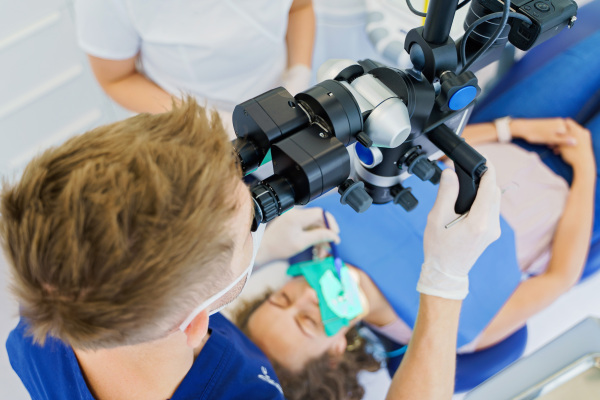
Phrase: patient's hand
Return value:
(294, 232)
(580, 155)
(548, 131)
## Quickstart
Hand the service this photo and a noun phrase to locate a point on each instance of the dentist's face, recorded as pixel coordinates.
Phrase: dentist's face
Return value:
(288, 327)
(242, 258)
(243, 244)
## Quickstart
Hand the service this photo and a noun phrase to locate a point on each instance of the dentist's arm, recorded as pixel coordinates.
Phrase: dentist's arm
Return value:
(428, 368)
(294, 232)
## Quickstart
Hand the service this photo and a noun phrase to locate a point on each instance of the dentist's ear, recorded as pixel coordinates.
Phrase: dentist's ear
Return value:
(197, 329)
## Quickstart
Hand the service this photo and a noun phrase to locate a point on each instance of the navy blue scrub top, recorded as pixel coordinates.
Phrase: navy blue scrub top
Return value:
(229, 366)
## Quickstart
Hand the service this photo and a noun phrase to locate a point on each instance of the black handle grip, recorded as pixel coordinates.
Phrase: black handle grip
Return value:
(468, 188)
(468, 163)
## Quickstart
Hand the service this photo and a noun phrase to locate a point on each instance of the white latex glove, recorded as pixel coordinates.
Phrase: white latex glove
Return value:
(294, 232)
(296, 78)
(451, 252)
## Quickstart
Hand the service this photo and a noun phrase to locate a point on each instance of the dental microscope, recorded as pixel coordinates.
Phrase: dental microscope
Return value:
(366, 127)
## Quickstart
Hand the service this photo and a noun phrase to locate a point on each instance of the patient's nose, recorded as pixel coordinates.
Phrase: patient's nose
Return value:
(308, 296)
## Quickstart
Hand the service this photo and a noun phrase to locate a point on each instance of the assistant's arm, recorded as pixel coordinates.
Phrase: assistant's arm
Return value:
(108, 35)
(569, 248)
(427, 370)
(300, 38)
(130, 89)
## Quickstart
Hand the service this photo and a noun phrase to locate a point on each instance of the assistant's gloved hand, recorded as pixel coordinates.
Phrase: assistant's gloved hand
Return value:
(296, 78)
(451, 252)
(294, 232)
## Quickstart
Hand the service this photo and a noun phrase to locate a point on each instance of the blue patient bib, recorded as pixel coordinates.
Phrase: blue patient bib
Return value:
(387, 243)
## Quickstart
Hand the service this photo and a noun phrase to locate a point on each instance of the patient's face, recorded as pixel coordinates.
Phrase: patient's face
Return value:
(289, 329)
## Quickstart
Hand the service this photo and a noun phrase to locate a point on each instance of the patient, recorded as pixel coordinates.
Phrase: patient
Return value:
(552, 226)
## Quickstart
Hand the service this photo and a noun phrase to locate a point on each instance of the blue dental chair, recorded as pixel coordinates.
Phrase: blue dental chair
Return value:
(472, 369)
(556, 79)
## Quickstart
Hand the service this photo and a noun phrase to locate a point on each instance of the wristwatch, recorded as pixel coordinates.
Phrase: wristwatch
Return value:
(503, 129)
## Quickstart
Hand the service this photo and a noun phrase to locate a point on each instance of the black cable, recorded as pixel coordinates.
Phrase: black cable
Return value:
(485, 18)
(505, 14)
(414, 10)
(423, 14)
(492, 39)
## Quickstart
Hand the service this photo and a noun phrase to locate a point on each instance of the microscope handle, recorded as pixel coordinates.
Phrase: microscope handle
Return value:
(468, 164)
(468, 186)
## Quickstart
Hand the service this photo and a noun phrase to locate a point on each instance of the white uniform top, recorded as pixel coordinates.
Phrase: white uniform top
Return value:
(221, 51)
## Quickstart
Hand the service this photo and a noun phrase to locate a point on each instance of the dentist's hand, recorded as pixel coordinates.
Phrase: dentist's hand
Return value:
(451, 252)
(294, 232)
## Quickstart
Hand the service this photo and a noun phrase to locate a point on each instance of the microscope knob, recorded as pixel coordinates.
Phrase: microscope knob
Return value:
(355, 195)
(457, 92)
(437, 175)
(364, 139)
(422, 168)
(404, 197)
(462, 98)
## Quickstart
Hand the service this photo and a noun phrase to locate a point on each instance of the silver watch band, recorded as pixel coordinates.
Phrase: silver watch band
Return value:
(503, 129)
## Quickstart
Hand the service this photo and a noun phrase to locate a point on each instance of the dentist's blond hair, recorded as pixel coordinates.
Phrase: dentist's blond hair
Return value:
(113, 236)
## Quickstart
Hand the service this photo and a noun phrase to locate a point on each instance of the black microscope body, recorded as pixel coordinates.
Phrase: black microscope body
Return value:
(367, 127)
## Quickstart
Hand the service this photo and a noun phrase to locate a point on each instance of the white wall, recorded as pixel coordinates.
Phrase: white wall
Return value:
(47, 91)
(47, 94)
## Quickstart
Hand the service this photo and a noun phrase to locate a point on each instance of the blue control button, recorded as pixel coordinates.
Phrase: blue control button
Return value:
(462, 98)
(364, 154)
(369, 157)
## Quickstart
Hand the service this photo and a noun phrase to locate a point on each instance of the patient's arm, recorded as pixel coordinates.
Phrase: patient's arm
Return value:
(569, 250)
(547, 131)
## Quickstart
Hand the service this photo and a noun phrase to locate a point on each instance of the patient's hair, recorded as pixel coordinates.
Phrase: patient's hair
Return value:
(324, 378)
(116, 234)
